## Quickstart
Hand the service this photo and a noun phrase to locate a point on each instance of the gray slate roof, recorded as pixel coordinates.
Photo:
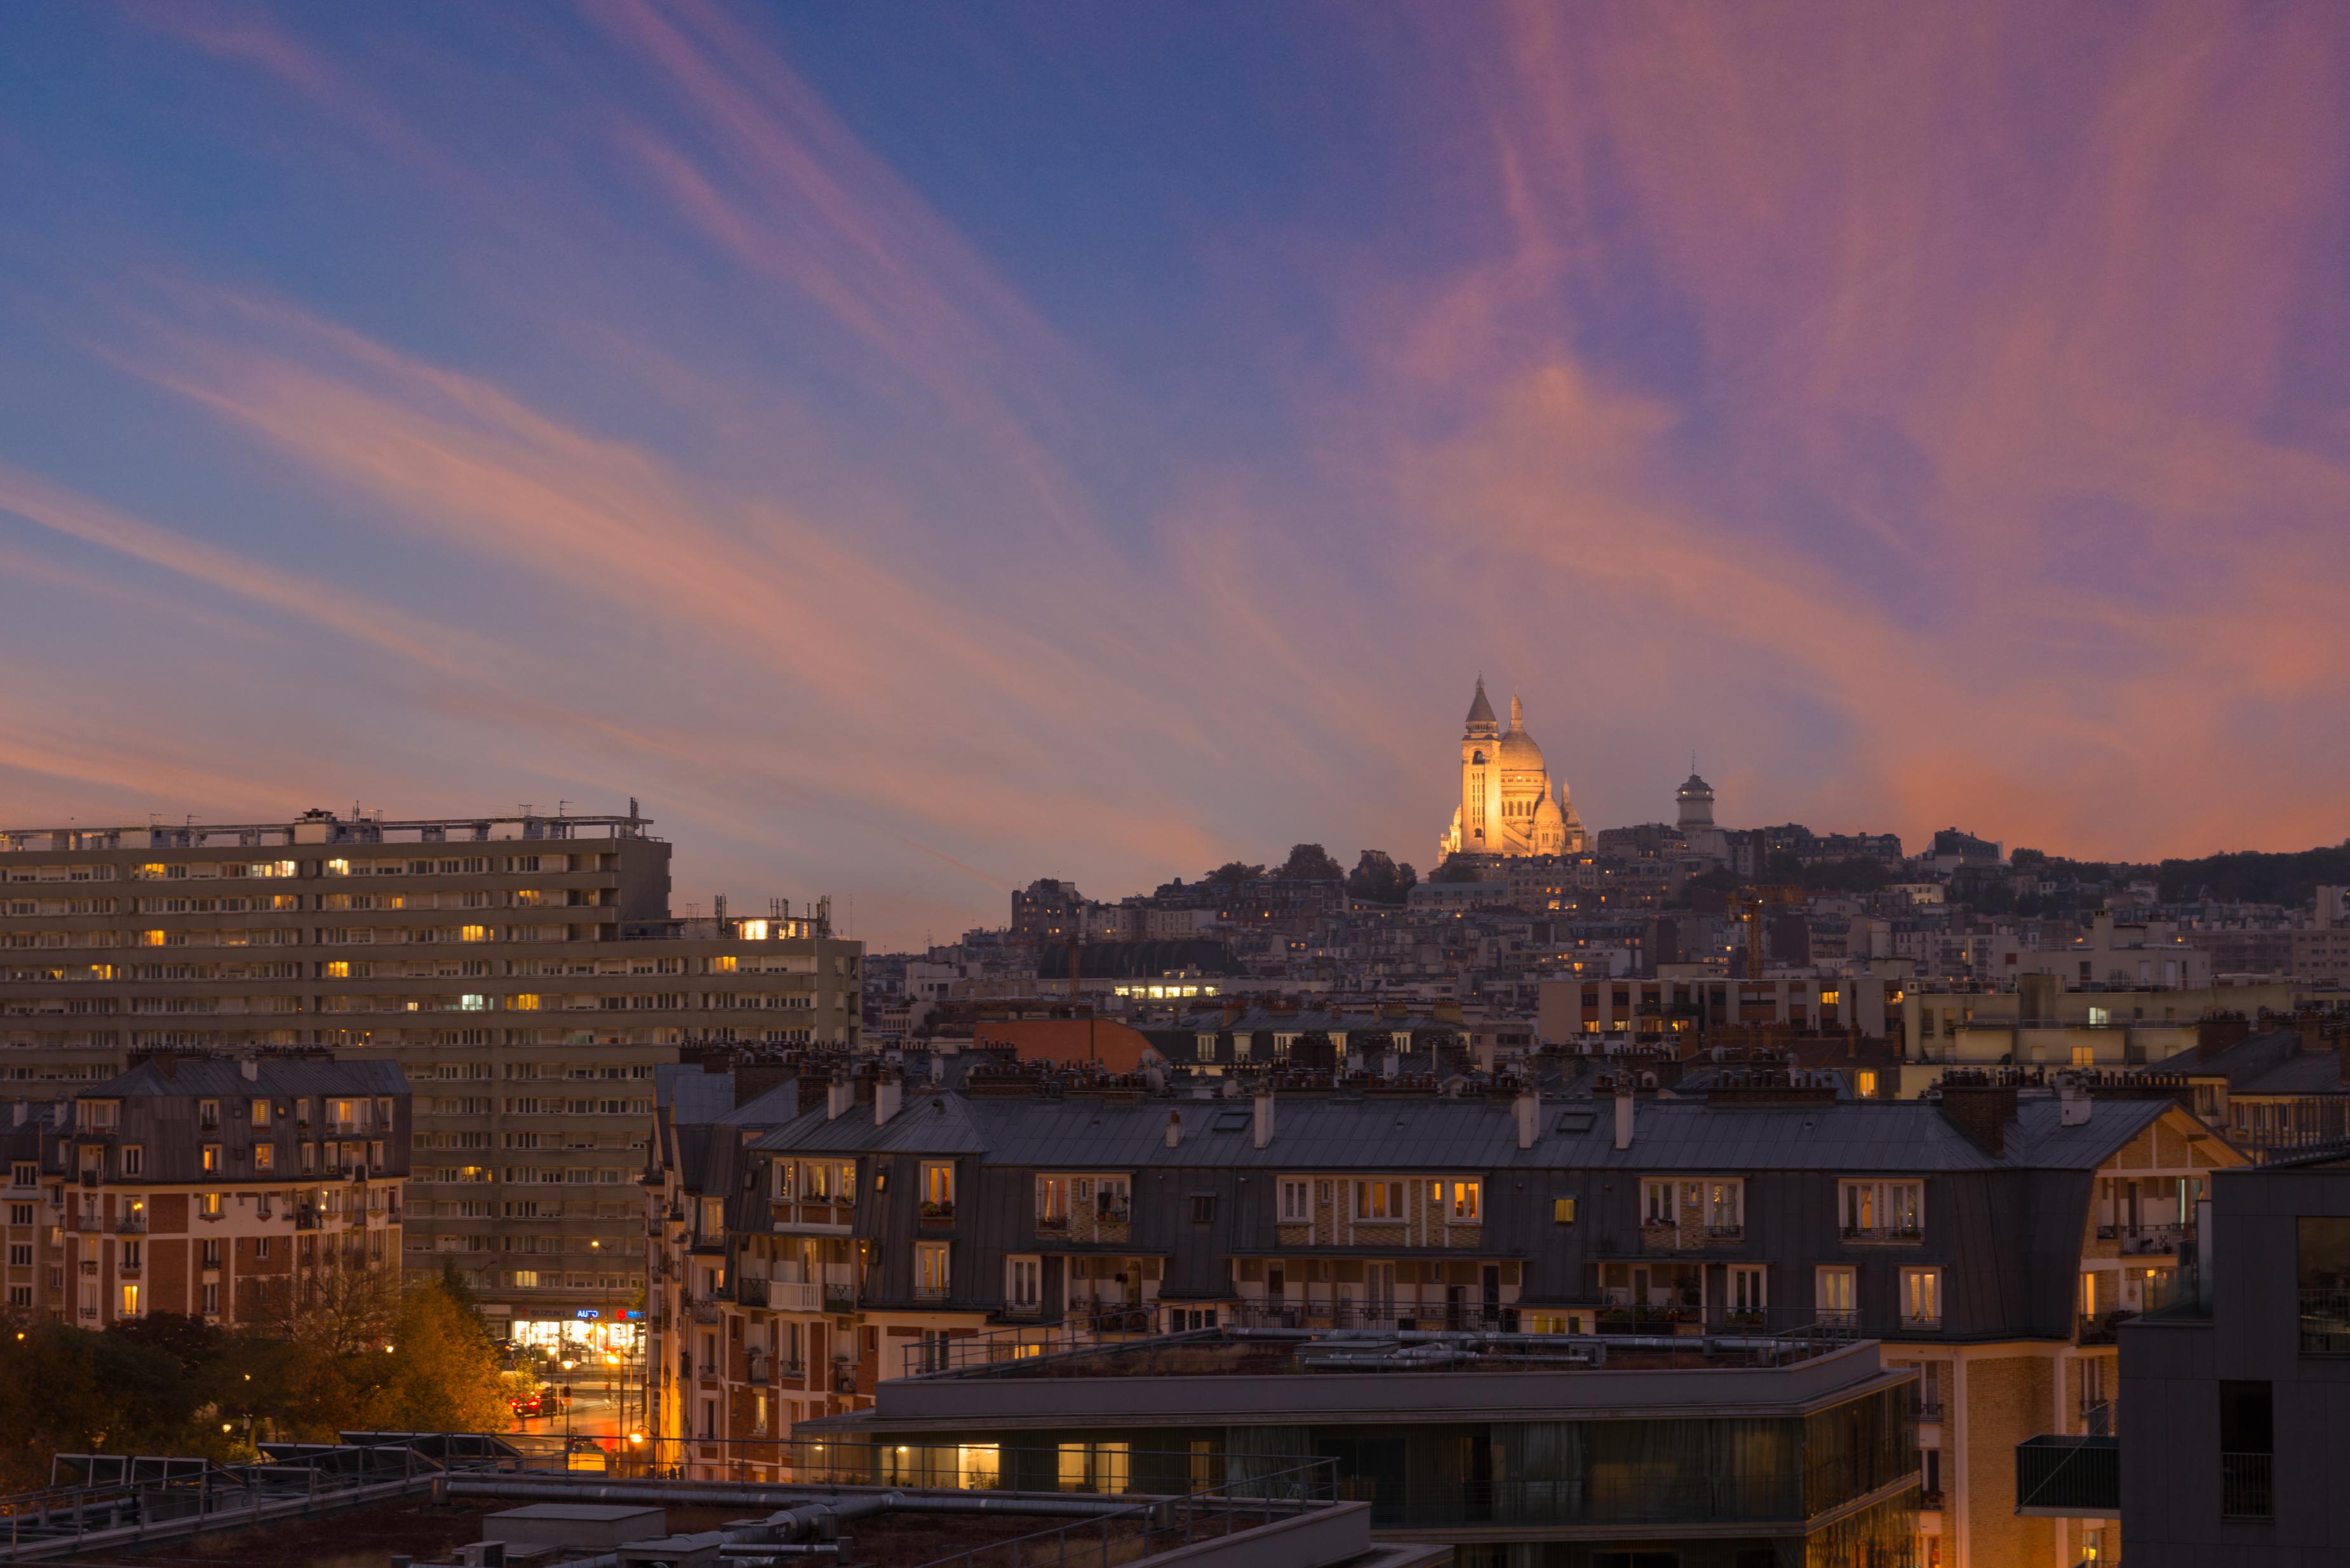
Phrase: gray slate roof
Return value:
(1080, 1134)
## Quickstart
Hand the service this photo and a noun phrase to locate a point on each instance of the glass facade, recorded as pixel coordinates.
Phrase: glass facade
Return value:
(1778, 1475)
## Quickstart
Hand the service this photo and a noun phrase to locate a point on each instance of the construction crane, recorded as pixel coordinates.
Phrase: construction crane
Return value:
(1749, 904)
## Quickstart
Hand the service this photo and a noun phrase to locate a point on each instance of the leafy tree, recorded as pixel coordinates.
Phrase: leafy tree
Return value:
(1231, 874)
(444, 1373)
(1378, 879)
(1455, 870)
(1310, 863)
(71, 1391)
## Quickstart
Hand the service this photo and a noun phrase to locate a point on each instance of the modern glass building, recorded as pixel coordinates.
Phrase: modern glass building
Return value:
(1521, 1451)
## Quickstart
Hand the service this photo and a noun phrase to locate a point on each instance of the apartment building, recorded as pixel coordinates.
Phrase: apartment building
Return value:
(229, 1190)
(2233, 1397)
(527, 972)
(1991, 1241)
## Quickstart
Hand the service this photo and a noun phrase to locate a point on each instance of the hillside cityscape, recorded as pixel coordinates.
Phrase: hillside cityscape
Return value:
(967, 784)
(1710, 1112)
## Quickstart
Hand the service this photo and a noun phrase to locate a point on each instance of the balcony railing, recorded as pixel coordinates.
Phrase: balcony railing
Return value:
(2247, 1486)
(2325, 1321)
(1888, 1233)
(932, 1293)
(2141, 1240)
(2099, 1329)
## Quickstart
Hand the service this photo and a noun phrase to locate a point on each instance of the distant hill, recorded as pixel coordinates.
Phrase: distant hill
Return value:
(2252, 877)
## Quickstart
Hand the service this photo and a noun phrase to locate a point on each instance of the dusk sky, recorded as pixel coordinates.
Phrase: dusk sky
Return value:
(916, 449)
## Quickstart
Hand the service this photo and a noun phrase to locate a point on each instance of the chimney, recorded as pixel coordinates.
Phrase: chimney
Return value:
(1528, 1107)
(1981, 1111)
(2073, 1102)
(250, 1067)
(838, 1098)
(1174, 1129)
(1624, 1105)
(1263, 1117)
(24, 1108)
(887, 1091)
(938, 1068)
(1388, 1064)
(753, 1079)
(168, 1065)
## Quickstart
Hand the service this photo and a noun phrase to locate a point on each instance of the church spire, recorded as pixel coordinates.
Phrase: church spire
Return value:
(1517, 713)
(1480, 711)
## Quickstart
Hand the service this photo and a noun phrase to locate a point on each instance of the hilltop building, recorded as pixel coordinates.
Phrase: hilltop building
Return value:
(1506, 807)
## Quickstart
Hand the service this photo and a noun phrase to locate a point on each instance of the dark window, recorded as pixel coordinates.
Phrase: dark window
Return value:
(1203, 1208)
(2247, 1450)
(2323, 1247)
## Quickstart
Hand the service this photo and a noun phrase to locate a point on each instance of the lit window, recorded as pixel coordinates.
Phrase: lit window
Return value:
(1561, 1210)
(525, 1003)
(1834, 1292)
(473, 933)
(753, 931)
(339, 868)
(338, 969)
(1376, 1200)
(724, 964)
(1466, 1196)
(1921, 1297)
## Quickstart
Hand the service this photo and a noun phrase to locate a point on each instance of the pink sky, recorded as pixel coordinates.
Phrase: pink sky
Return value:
(916, 459)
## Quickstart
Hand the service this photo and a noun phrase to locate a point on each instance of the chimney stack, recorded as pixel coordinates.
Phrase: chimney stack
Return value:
(1174, 1129)
(1981, 1111)
(1624, 1105)
(1528, 1107)
(838, 1098)
(1263, 1117)
(887, 1092)
(2073, 1102)
(250, 1067)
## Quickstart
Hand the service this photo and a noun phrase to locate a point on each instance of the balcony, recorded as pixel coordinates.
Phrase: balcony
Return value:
(2068, 1477)
(795, 1296)
(1882, 1235)
(2248, 1487)
(703, 1311)
(938, 1216)
(131, 1225)
(2100, 1329)
(2325, 1321)
(934, 1293)
(2147, 1240)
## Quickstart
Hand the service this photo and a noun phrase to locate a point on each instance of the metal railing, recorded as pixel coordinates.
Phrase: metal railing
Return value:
(2325, 1321)
(1022, 1342)
(2247, 1486)
(1249, 1496)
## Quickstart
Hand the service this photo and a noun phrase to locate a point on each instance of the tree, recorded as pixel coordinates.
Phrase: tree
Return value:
(444, 1373)
(71, 1391)
(1456, 869)
(1378, 879)
(1231, 874)
(1310, 863)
